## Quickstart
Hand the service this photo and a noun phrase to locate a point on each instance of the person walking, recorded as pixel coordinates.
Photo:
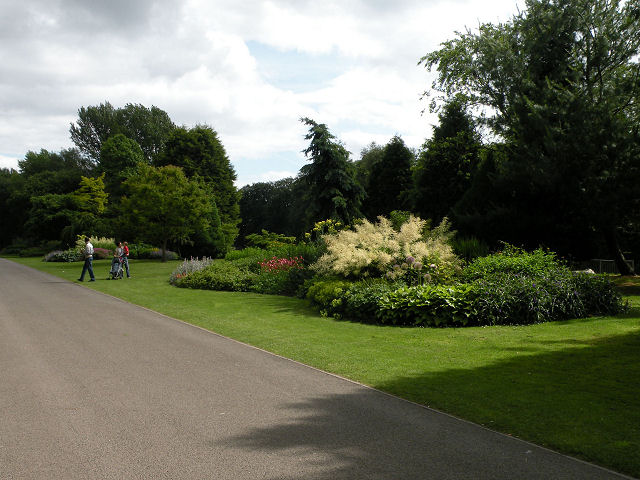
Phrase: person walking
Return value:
(88, 261)
(126, 258)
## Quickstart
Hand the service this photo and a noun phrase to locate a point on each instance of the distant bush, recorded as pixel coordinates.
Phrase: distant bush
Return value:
(32, 252)
(513, 260)
(70, 255)
(219, 275)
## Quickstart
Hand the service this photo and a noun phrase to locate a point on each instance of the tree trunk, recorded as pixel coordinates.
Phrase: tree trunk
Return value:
(614, 249)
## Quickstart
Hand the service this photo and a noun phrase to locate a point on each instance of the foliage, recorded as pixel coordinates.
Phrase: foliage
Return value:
(119, 159)
(512, 298)
(558, 84)
(371, 250)
(332, 190)
(200, 153)
(469, 248)
(389, 180)
(148, 127)
(446, 163)
(268, 240)
(428, 305)
(97, 242)
(90, 195)
(163, 205)
(272, 206)
(362, 299)
(219, 275)
(328, 295)
(513, 260)
(69, 255)
(189, 266)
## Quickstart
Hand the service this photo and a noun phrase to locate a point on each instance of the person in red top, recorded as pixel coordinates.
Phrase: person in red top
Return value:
(125, 257)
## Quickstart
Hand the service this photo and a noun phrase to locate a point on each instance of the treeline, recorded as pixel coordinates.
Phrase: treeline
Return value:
(133, 174)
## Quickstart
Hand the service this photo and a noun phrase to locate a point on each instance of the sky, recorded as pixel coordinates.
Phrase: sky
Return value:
(248, 68)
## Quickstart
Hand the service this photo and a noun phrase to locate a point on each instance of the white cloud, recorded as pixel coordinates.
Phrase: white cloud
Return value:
(191, 58)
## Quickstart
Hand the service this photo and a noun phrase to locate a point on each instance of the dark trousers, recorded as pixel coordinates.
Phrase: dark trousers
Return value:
(88, 265)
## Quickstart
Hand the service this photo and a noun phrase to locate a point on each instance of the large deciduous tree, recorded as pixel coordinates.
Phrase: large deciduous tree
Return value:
(333, 192)
(560, 84)
(149, 127)
(199, 152)
(162, 205)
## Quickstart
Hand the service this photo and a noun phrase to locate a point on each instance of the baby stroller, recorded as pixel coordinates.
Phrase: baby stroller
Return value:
(117, 269)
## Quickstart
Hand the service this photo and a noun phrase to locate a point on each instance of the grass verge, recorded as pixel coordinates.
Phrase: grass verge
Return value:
(571, 386)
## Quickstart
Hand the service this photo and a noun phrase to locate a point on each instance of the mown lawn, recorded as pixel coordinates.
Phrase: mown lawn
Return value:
(572, 386)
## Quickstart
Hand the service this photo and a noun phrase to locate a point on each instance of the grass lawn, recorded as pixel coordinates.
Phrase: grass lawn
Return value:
(572, 386)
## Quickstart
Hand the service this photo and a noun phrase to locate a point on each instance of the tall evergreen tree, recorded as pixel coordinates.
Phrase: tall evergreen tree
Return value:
(446, 163)
(333, 192)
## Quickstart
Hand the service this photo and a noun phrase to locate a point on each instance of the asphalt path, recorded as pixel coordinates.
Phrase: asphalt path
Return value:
(92, 387)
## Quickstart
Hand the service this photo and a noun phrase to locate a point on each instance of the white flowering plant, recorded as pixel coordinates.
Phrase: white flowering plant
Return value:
(412, 253)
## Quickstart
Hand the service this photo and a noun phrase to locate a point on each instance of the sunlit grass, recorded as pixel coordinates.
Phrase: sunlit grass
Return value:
(572, 386)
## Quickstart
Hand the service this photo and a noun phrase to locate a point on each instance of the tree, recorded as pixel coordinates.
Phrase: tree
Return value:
(559, 83)
(390, 181)
(96, 124)
(333, 192)
(199, 152)
(271, 206)
(120, 157)
(370, 155)
(446, 163)
(163, 205)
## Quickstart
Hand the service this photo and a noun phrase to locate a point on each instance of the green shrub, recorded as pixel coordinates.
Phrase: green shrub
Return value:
(514, 298)
(513, 260)
(249, 252)
(428, 305)
(328, 295)
(362, 299)
(219, 275)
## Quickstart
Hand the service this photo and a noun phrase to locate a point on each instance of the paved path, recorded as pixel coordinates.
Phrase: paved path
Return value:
(93, 387)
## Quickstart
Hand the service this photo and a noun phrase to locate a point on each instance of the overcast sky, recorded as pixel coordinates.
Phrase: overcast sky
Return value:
(248, 68)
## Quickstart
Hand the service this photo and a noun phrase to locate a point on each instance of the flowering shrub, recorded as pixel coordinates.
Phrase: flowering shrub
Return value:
(102, 253)
(275, 264)
(187, 267)
(371, 250)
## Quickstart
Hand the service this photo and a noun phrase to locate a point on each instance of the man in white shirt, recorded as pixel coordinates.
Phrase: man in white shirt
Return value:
(88, 261)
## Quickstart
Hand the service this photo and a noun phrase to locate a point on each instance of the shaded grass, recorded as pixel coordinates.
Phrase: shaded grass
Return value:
(572, 386)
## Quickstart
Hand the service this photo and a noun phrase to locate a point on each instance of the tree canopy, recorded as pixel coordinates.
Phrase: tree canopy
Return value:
(559, 84)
